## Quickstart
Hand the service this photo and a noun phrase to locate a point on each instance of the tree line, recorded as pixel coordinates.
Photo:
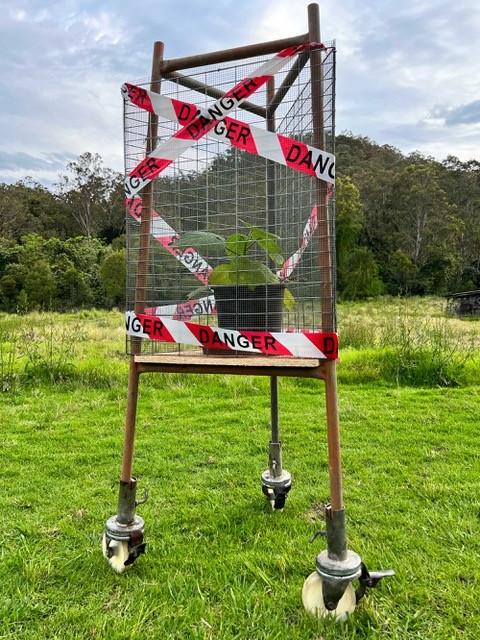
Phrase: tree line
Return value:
(63, 248)
(404, 225)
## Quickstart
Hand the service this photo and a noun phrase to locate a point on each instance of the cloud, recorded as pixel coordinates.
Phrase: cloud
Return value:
(62, 67)
(453, 116)
(45, 168)
(401, 67)
(20, 160)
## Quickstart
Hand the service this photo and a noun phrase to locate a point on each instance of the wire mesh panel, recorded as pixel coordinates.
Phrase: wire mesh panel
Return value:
(240, 234)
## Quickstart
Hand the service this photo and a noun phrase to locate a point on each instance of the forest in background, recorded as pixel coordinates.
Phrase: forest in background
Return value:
(405, 225)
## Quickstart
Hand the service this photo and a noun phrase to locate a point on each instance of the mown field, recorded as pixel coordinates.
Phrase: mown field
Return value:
(220, 564)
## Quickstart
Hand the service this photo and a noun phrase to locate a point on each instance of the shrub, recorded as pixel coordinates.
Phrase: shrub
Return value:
(415, 345)
(50, 349)
(112, 277)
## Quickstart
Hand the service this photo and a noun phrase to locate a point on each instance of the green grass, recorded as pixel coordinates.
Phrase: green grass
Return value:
(220, 564)
(408, 342)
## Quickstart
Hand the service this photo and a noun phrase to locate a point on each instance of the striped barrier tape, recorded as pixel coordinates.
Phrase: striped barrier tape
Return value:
(193, 261)
(167, 152)
(272, 146)
(321, 345)
(186, 310)
(166, 236)
(291, 263)
(188, 257)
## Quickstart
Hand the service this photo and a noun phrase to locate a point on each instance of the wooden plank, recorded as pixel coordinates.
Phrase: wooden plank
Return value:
(197, 362)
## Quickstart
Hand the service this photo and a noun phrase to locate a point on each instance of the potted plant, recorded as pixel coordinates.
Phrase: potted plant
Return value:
(248, 292)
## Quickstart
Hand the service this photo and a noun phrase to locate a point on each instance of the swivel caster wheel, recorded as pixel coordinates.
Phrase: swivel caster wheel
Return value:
(116, 552)
(123, 543)
(276, 489)
(312, 597)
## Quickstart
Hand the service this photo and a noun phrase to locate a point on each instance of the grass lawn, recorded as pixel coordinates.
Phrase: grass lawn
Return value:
(220, 564)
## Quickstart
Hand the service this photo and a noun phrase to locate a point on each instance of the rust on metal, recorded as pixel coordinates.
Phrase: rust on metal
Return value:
(230, 55)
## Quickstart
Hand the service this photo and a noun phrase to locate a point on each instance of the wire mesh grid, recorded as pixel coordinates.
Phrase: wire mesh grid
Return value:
(230, 242)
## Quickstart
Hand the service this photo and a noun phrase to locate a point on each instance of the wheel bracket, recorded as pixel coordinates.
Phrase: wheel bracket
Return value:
(276, 488)
(370, 579)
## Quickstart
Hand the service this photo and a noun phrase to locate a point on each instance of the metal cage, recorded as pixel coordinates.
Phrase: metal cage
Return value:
(231, 235)
(242, 194)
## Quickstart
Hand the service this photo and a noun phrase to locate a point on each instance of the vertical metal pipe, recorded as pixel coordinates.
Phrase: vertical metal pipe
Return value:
(128, 442)
(271, 200)
(275, 436)
(141, 278)
(147, 193)
(325, 242)
(272, 227)
(326, 267)
(333, 436)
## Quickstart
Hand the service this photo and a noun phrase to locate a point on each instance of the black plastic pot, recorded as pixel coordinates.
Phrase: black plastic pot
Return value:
(245, 308)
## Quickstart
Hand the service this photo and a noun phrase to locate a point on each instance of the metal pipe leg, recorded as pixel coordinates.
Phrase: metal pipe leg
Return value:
(333, 436)
(275, 446)
(129, 437)
(337, 566)
(123, 539)
(274, 408)
(276, 482)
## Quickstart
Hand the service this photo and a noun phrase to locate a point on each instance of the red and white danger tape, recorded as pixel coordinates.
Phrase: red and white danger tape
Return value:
(281, 149)
(185, 310)
(321, 345)
(290, 264)
(166, 236)
(277, 148)
(199, 267)
(166, 153)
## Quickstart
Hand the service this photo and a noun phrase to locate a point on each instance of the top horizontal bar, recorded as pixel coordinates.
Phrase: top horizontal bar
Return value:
(228, 55)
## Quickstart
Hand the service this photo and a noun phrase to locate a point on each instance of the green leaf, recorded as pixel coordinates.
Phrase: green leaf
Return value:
(272, 249)
(242, 270)
(237, 244)
(223, 274)
(288, 300)
(199, 292)
(253, 272)
(267, 241)
(204, 242)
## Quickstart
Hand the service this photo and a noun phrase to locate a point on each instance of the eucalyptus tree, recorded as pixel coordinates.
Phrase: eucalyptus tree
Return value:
(90, 192)
(426, 227)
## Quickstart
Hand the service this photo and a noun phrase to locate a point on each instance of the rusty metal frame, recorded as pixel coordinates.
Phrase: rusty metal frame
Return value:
(324, 370)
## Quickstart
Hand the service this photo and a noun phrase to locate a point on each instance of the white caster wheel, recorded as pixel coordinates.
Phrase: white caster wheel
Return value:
(312, 597)
(116, 553)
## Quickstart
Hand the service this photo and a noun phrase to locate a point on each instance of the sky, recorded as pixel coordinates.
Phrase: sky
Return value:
(407, 70)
